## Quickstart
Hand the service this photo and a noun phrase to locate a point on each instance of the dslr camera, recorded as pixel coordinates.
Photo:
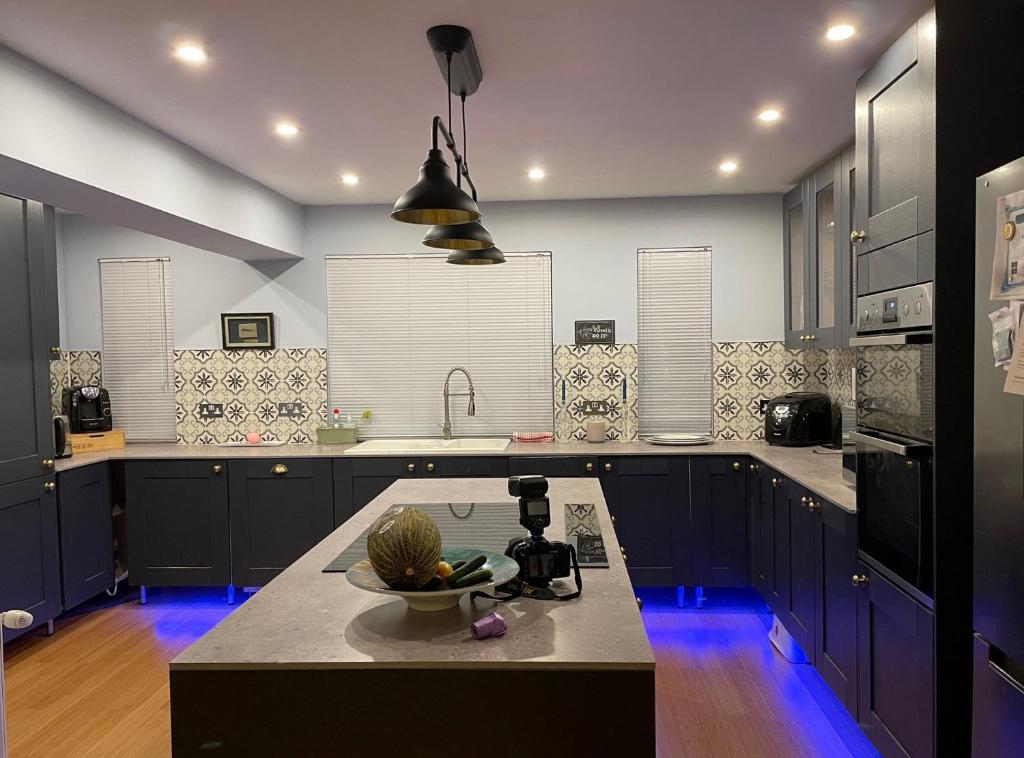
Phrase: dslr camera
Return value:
(539, 560)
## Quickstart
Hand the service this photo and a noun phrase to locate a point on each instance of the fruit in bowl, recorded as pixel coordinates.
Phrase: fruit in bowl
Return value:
(404, 547)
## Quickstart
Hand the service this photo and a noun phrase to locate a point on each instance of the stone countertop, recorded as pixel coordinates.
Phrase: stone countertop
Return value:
(308, 619)
(821, 472)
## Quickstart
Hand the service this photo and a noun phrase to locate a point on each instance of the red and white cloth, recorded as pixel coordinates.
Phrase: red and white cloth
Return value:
(533, 437)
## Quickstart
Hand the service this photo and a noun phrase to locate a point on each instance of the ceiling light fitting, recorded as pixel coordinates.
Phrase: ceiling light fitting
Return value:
(840, 32)
(769, 115)
(190, 53)
(435, 199)
(536, 173)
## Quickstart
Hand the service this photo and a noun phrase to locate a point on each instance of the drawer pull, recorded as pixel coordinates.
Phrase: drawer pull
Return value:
(736, 466)
(776, 482)
(590, 467)
(217, 468)
(430, 467)
(861, 580)
(279, 470)
(753, 468)
(804, 501)
(857, 236)
(411, 467)
(49, 486)
(607, 467)
(639, 603)
(813, 506)
(48, 463)
(613, 519)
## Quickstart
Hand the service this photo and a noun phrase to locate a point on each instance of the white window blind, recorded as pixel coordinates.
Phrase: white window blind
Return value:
(138, 346)
(397, 324)
(674, 324)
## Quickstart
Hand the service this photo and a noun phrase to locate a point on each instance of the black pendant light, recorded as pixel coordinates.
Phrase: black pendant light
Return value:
(471, 236)
(435, 199)
(489, 256)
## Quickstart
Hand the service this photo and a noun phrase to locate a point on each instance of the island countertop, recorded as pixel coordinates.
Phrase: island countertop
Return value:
(306, 619)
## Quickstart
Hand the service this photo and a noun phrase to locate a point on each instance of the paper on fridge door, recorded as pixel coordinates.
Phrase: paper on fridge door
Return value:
(1008, 258)
(1015, 369)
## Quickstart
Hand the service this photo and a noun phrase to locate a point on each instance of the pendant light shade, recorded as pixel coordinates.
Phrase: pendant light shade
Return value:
(476, 257)
(435, 199)
(471, 236)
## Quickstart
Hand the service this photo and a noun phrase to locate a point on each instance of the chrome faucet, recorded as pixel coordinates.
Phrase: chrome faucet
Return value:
(446, 428)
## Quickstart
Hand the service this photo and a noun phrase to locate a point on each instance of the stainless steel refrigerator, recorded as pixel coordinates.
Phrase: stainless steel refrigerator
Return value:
(998, 719)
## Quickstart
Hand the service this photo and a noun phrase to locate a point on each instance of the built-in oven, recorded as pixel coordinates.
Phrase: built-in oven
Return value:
(893, 436)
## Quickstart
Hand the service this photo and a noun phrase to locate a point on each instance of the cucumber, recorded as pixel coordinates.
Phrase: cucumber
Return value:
(433, 584)
(457, 565)
(466, 568)
(476, 577)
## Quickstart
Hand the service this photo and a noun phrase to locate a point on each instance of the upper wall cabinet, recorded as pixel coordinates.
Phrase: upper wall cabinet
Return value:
(846, 326)
(26, 447)
(895, 179)
(812, 218)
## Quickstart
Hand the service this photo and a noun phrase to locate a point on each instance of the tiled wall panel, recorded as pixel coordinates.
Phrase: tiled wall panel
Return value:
(596, 372)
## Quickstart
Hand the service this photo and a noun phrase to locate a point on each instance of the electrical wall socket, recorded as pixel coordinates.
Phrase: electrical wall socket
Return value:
(596, 407)
(296, 409)
(211, 410)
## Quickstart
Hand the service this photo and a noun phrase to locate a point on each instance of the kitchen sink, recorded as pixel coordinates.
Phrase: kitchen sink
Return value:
(420, 446)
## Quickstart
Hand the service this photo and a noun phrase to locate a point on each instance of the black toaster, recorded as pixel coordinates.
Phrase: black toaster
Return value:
(799, 418)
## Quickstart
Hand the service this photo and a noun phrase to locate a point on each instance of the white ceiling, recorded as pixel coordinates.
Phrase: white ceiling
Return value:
(615, 98)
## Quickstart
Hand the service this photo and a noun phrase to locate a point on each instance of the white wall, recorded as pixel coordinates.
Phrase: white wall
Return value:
(593, 245)
(63, 145)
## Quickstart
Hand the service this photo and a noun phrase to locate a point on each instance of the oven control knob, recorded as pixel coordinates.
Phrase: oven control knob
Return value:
(867, 315)
(906, 309)
(917, 307)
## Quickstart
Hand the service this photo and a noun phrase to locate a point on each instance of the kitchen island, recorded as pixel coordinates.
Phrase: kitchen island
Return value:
(313, 666)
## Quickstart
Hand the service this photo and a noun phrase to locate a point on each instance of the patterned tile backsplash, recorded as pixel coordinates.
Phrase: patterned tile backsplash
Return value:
(747, 373)
(223, 394)
(74, 367)
(596, 372)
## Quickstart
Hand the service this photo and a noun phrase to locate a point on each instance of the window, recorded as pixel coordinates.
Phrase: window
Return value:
(674, 325)
(397, 324)
(138, 345)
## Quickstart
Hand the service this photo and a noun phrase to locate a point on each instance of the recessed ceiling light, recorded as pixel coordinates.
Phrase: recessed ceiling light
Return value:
(190, 52)
(769, 115)
(349, 179)
(536, 173)
(840, 32)
(728, 167)
(286, 129)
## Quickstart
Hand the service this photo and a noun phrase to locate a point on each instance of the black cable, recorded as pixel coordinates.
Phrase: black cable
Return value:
(465, 151)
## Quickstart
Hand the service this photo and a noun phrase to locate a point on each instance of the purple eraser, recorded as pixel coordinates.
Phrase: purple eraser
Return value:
(491, 625)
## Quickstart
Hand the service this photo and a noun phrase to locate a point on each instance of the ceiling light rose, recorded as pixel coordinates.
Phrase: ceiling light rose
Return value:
(840, 32)
(728, 166)
(488, 256)
(471, 236)
(190, 52)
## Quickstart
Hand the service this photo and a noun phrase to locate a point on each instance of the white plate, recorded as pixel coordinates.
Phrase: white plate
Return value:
(679, 439)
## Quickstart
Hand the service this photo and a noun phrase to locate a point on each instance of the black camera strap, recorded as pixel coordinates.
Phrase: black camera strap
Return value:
(516, 588)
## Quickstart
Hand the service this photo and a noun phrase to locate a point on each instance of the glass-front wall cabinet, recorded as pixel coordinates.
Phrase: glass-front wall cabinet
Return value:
(794, 245)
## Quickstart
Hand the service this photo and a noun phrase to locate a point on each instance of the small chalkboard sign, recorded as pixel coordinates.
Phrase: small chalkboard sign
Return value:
(595, 332)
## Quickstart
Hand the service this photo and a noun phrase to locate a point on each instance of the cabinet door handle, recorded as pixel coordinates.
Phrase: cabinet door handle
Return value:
(753, 468)
(613, 519)
(639, 603)
(430, 467)
(279, 470)
(858, 236)
(50, 486)
(776, 482)
(411, 467)
(813, 506)
(590, 467)
(607, 467)
(55, 350)
(48, 463)
(812, 337)
(217, 468)
(804, 501)
(861, 580)
(625, 558)
(736, 466)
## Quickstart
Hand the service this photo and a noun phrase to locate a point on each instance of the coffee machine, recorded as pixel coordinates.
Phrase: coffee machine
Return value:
(87, 409)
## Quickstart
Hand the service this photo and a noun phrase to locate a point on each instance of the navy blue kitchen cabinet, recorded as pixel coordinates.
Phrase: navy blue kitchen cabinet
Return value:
(800, 589)
(553, 466)
(357, 481)
(998, 725)
(895, 649)
(835, 650)
(178, 520)
(464, 466)
(279, 510)
(26, 446)
(649, 501)
(85, 509)
(719, 511)
(29, 552)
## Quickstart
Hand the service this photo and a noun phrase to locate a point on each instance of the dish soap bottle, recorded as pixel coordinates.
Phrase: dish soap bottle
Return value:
(336, 418)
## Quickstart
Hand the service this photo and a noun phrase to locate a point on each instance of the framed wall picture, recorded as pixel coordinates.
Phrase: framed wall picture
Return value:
(247, 331)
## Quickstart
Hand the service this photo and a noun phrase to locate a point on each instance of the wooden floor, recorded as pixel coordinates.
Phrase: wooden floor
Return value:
(99, 686)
